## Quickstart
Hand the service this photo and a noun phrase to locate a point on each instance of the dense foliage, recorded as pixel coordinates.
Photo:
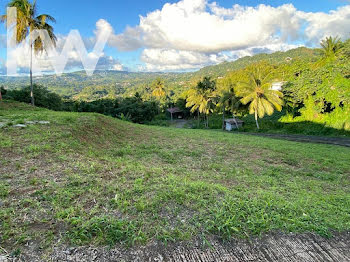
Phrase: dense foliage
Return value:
(43, 97)
(320, 92)
(131, 109)
(315, 91)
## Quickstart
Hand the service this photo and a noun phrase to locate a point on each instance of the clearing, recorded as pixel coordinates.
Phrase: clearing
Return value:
(90, 180)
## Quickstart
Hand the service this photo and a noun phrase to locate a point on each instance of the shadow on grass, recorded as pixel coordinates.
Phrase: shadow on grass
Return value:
(272, 125)
(301, 128)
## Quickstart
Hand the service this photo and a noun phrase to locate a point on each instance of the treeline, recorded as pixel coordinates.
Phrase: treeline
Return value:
(309, 91)
(131, 109)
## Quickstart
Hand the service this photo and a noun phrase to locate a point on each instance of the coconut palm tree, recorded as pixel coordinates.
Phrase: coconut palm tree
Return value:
(229, 101)
(201, 98)
(331, 46)
(158, 88)
(27, 21)
(258, 93)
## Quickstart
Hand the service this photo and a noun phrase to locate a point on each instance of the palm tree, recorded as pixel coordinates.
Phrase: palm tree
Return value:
(158, 88)
(27, 21)
(258, 93)
(230, 101)
(331, 46)
(201, 98)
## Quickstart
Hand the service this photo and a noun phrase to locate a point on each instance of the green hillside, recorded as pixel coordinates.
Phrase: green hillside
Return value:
(73, 83)
(88, 179)
(116, 83)
(302, 53)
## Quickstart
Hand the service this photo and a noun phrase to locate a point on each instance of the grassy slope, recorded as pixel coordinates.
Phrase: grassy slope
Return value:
(272, 125)
(90, 179)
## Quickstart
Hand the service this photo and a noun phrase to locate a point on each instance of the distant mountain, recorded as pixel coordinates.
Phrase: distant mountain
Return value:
(120, 82)
(70, 84)
(274, 58)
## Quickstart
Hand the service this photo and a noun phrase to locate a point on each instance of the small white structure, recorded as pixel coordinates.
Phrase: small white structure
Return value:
(231, 124)
(277, 86)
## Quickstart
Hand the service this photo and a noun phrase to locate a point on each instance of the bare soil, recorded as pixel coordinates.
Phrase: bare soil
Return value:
(277, 247)
(340, 141)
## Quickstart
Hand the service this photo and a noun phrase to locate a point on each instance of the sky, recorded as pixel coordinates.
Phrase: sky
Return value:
(185, 35)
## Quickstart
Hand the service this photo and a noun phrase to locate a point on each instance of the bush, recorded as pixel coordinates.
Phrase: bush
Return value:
(137, 110)
(43, 97)
(3, 91)
(130, 109)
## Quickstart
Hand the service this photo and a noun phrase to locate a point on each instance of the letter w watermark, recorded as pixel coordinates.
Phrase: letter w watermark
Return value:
(58, 61)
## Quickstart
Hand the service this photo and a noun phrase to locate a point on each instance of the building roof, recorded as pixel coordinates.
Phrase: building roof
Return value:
(174, 110)
(232, 121)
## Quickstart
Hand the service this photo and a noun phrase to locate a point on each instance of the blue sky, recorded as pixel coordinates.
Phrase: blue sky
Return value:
(167, 47)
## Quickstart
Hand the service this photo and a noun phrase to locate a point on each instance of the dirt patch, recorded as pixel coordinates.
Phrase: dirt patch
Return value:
(339, 141)
(278, 247)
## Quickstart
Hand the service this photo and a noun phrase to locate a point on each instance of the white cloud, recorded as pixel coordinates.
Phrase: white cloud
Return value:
(321, 25)
(174, 60)
(188, 33)
(269, 48)
(128, 41)
(188, 25)
(170, 59)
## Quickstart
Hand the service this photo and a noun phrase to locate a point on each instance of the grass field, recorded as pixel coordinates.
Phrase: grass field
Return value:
(274, 125)
(87, 179)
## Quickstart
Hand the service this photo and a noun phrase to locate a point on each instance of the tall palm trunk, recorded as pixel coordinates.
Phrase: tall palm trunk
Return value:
(256, 119)
(199, 121)
(31, 74)
(223, 118)
(234, 119)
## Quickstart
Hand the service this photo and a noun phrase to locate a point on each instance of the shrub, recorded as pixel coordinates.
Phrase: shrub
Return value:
(43, 97)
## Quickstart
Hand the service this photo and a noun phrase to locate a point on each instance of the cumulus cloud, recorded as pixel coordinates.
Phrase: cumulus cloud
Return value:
(128, 41)
(174, 60)
(171, 59)
(321, 25)
(187, 25)
(267, 49)
(190, 32)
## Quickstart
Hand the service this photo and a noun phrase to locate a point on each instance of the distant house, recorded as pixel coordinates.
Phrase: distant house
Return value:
(232, 123)
(277, 86)
(175, 112)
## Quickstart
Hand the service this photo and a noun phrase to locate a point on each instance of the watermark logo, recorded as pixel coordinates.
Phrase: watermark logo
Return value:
(58, 60)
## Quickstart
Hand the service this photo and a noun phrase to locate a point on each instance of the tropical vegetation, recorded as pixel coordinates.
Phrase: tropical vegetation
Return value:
(27, 22)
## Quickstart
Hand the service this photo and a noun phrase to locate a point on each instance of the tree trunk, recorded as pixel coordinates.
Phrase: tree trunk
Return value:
(31, 74)
(172, 117)
(199, 121)
(234, 119)
(208, 121)
(223, 119)
(256, 119)
(0, 95)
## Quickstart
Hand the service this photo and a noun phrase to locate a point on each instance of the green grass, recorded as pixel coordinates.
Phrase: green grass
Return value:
(87, 179)
(272, 124)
